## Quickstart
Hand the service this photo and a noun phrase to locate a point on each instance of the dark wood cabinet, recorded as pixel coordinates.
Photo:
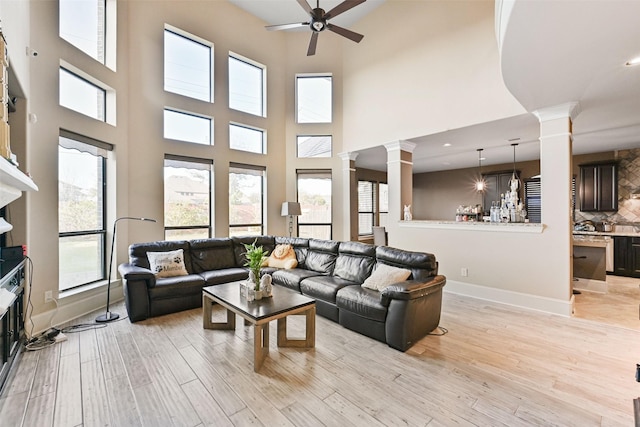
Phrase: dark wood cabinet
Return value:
(11, 319)
(496, 184)
(599, 187)
(626, 256)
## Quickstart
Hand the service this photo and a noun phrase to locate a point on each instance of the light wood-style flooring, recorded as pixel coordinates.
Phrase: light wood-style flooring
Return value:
(498, 365)
(620, 306)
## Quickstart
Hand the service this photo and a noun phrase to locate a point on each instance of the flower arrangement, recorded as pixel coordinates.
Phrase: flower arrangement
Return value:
(255, 256)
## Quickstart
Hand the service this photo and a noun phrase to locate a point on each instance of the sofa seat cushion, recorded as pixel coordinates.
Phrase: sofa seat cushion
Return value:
(361, 301)
(291, 278)
(225, 275)
(171, 287)
(323, 288)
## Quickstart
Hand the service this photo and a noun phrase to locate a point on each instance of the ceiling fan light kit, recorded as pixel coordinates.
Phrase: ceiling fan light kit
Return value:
(319, 22)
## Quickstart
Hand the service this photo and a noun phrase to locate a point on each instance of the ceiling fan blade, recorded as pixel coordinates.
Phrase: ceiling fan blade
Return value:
(342, 7)
(286, 26)
(345, 33)
(306, 6)
(312, 44)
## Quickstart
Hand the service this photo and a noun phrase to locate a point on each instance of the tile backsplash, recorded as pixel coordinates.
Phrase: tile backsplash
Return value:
(628, 182)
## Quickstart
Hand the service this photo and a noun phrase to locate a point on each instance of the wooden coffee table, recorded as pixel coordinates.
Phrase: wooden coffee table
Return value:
(283, 303)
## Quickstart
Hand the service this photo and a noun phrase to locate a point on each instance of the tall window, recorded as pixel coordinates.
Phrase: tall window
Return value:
(314, 98)
(82, 23)
(188, 66)
(246, 200)
(314, 196)
(247, 86)
(373, 205)
(314, 145)
(187, 198)
(79, 94)
(81, 210)
(187, 127)
(246, 138)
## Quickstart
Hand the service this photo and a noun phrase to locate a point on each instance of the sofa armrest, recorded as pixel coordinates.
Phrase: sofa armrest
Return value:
(134, 272)
(411, 289)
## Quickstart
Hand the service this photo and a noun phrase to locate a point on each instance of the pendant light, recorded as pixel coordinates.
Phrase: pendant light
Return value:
(480, 185)
(514, 182)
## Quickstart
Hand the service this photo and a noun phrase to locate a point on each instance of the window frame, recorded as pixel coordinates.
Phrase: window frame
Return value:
(194, 160)
(263, 82)
(102, 232)
(65, 68)
(297, 99)
(253, 128)
(188, 113)
(194, 39)
(314, 136)
(106, 17)
(263, 177)
(302, 172)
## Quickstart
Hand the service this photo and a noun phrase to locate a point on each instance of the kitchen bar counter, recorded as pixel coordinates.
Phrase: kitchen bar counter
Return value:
(507, 227)
(618, 230)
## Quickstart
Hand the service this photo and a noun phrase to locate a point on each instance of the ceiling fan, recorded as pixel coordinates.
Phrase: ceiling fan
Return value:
(319, 22)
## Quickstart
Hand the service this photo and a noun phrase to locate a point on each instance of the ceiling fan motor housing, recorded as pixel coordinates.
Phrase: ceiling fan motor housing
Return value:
(318, 22)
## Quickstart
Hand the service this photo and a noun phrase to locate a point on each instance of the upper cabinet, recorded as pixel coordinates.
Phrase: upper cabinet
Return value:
(599, 187)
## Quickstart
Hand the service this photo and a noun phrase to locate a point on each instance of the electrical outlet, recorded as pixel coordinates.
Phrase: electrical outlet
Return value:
(48, 296)
(464, 272)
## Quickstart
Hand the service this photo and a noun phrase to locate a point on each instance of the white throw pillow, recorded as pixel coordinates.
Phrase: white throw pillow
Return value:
(167, 264)
(385, 275)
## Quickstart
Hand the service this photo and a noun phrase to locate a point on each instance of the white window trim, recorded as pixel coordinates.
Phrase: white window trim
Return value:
(191, 113)
(110, 93)
(264, 137)
(264, 78)
(304, 75)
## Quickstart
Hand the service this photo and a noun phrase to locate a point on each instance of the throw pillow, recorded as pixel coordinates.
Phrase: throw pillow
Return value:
(167, 264)
(384, 276)
(283, 256)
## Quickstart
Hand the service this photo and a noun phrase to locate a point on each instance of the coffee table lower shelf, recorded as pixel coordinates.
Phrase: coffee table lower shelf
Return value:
(259, 313)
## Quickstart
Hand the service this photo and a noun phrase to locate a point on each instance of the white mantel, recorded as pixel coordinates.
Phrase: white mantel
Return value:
(12, 183)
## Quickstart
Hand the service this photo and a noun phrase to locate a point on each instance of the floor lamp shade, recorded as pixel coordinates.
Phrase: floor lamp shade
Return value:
(290, 209)
(109, 315)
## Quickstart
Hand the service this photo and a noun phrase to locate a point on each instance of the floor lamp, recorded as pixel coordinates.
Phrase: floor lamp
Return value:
(290, 209)
(109, 315)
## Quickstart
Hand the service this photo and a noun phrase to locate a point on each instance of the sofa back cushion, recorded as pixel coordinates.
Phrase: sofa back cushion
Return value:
(322, 256)
(300, 246)
(355, 261)
(267, 243)
(421, 264)
(212, 254)
(138, 252)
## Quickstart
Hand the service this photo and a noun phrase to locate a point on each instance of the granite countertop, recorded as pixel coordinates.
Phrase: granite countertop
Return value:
(624, 232)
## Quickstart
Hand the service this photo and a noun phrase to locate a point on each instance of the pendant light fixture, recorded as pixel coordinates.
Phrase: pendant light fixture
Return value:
(480, 185)
(514, 182)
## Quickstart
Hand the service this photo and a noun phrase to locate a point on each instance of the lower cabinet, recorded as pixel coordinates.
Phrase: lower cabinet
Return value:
(11, 319)
(626, 256)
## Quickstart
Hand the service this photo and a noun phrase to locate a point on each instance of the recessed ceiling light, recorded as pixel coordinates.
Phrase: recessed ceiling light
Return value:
(634, 61)
(446, 144)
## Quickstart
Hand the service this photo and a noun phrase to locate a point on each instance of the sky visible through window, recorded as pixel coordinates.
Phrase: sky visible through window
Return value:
(187, 127)
(314, 99)
(187, 67)
(80, 25)
(245, 87)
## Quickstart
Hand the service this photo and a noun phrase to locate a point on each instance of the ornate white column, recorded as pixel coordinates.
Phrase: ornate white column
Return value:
(556, 173)
(349, 206)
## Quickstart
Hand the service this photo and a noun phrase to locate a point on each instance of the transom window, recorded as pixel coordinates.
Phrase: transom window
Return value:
(246, 200)
(82, 23)
(188, 65)
(314, 145)
(81, 210)
(314, 196)
(246, 138)
(314, 98)
(247, 85)
(187, 127)
(79, 94)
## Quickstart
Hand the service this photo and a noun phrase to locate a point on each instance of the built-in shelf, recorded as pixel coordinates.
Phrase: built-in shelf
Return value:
(12, 183)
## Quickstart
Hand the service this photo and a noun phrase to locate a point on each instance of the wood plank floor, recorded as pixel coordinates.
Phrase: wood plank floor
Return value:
(620, 306)
(498, 365)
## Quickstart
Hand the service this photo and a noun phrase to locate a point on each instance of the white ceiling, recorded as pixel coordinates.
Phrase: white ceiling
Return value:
(578, 55)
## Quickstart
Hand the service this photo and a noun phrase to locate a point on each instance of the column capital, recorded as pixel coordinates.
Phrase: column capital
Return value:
(569, 109)
(400, 146)
(348, 156)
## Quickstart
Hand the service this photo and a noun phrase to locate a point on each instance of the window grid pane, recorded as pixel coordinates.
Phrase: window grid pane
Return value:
(82, 23)
(246, 201)
(246, 139)
(187, 67)
(314, 99)
(314, 146)
(246, 87)
(81, 260)
(366, 207)
(315, 198)
(82, 96)
(187, 127)
(187, 198)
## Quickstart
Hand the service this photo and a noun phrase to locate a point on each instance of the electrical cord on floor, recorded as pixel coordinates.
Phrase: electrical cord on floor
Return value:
(29, 304)
(442, 329)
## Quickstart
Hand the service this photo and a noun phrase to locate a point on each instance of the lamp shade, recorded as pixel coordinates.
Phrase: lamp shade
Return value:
(290, 208)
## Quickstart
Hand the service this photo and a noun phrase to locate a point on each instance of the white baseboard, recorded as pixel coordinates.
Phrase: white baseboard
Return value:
(528, 301)
(70, 308)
